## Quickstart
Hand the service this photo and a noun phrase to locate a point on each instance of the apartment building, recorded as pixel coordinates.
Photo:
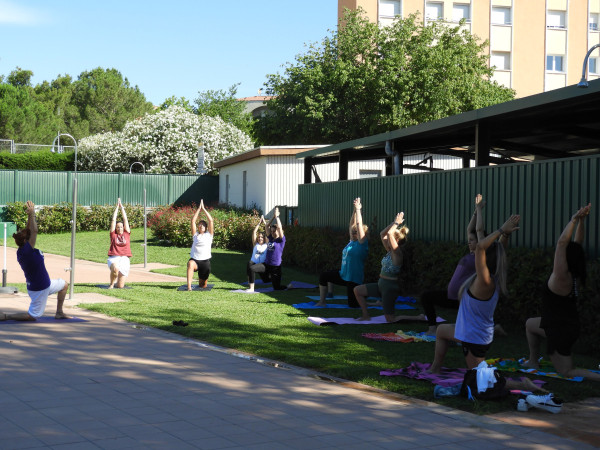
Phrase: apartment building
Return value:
(535, 45)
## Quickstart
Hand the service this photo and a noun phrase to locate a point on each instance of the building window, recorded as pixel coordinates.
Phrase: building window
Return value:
(501, 15)
(556, 19)
(501, 60)
(593, 65)
(593, 23)
(388, 10)
(554, 63)
(366, 173)
(461, 11)
(434, 11)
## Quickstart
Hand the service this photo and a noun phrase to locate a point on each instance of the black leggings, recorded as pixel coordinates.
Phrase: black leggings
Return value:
(203, 268)
(440, 298)
(256, 268)
(333, 276)
(274, 273)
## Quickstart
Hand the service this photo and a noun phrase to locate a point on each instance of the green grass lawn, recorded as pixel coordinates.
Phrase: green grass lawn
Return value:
(267, 325)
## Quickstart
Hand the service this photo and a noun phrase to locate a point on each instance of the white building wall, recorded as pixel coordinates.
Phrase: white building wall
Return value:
(256, 176)
(284, 174)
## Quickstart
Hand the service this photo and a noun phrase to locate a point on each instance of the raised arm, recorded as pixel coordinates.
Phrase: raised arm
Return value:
(472, 223)
(560, 268)
(255, 231)
(479, 228)
(113, 222)
(125, 221)
(195, 219)
(358, 220)
(209, 219)
(31, 223)
(483, 285)
(391, 230)
(278, 222)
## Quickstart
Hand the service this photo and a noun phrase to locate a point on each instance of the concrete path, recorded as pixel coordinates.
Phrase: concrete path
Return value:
(106, 383)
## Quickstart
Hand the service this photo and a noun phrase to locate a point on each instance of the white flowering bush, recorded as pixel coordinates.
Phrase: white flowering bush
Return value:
(165, 142)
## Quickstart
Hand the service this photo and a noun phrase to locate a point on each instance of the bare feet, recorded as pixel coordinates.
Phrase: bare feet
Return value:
(249, 291)
(61, 315)
(362, 319)
(375, 303)
(433, 369)
(524, 384)
(320, 303)
(4, 317)
(111, 286)
(530, 364)
(189, 288)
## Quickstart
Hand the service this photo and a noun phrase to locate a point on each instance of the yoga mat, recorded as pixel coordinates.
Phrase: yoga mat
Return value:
(369, 299)
(195, 287)
(301, 285)
(105, 286)
(256, 283)
(351, 321)
(446, 378)
(313, 305)
(45, 319)
(256, 291)
(546, 368)
(401, 336)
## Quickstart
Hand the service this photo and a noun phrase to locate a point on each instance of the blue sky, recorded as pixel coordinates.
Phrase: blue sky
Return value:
(176, 47)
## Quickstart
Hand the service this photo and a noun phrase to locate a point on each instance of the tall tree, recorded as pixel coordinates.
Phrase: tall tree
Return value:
(106, 101)
(224, 104)
(364, 79)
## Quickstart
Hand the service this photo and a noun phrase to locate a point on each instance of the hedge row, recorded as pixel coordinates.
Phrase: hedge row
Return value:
(40, 160)
(430, 265)
(232, 226)
(57, 218)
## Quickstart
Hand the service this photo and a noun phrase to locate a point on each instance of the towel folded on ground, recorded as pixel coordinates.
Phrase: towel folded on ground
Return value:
(400, 336)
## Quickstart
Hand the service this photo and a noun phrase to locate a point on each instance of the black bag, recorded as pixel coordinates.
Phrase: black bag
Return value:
(496, 392)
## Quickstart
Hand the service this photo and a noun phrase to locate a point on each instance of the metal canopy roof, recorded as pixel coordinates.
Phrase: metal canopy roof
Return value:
(560, 123)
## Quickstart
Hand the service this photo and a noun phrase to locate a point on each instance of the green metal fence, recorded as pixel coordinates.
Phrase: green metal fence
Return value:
(95, 188)
(439, 205)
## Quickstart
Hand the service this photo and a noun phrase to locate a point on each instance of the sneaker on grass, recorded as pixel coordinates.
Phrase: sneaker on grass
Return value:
(547, 402)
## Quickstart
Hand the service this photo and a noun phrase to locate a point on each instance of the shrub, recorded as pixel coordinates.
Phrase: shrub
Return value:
(41, 160)
(165, 142)
(233, 226)
(57, 218)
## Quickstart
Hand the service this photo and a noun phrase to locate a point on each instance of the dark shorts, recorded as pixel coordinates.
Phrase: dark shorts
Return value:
(477, 350)
(203, 268)
(561, 340)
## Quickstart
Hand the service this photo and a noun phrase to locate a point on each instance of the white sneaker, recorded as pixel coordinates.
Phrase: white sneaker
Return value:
(547, 402)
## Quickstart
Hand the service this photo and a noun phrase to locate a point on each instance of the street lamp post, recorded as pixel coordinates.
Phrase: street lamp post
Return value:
(583, 83)
(73, 218)
(145, 241)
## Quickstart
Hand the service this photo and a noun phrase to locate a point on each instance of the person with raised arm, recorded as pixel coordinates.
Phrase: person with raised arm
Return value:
(479, 294)
(393, 238)
(259, 255)
(200, 253)
(449, 298)
(39, 284)
(119, 251)
(352, 272)
(559, 321)
(275, 245)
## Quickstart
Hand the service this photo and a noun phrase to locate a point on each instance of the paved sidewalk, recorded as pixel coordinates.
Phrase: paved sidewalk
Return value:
(106, 383)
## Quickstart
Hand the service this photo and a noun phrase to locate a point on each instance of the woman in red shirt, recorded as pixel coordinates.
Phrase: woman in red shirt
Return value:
(120, 250)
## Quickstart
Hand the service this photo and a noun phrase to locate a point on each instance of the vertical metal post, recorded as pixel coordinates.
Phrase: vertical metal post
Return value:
(4, 266)
(73, 231)
(145, 241)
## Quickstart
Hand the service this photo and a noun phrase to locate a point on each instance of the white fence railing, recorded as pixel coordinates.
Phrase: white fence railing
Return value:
(10, 146)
